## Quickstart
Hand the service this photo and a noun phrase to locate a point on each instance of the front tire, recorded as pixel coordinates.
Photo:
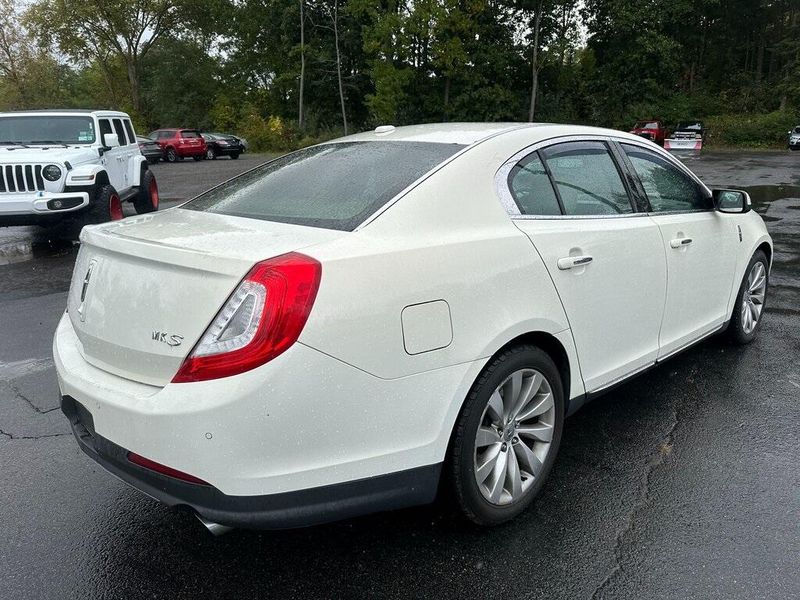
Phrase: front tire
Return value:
(235, 156)
(507, 435)
(749, 307)
(146, 200)
(210, 154)
(198, 158)
(106, 206)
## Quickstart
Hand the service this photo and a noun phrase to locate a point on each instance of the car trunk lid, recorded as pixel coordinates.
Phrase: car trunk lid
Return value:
(145, 289)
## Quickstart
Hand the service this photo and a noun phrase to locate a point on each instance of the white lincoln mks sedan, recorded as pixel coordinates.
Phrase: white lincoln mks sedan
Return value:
(349, 327)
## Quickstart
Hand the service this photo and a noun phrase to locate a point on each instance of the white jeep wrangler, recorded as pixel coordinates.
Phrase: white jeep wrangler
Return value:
(71, 166)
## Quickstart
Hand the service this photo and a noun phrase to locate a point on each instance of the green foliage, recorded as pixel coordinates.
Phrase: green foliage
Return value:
(234, 65)
(752, 131)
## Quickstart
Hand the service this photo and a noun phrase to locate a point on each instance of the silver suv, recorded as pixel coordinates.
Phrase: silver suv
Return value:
(794, 138)
(74, 166)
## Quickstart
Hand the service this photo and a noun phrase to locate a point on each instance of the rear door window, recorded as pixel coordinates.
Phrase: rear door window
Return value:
(334, 186)
(120, 131)
(587, 179)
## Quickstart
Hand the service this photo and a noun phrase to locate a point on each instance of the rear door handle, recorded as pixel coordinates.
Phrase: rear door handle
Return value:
(569, 262)
(680, 242)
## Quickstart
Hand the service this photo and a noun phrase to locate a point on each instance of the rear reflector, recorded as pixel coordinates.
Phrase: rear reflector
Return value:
(260, 320)
(163, 469)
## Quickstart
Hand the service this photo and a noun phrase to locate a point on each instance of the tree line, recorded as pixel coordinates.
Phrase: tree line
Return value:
(286, 72)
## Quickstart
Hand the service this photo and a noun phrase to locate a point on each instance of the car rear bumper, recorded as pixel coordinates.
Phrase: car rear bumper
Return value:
(301, 422)
(193, 151)
(683, 144)
(42, 203)
(275, 511)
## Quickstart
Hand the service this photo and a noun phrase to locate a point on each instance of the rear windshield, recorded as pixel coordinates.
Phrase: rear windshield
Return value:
(693, 125)
(334, 186)
(646, 125)
(190, 134)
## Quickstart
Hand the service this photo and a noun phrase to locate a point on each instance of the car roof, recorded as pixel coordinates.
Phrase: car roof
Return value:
(472, 133)
(65, 111)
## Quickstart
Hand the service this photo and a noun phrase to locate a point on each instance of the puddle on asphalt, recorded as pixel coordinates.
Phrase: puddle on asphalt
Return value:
(15, 249)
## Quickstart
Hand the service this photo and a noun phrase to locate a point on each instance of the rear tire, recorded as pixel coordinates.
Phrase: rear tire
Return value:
(748, 310)
(507, 436)
(210, 154)
(146, 200)
(199, 158)
(171, 155)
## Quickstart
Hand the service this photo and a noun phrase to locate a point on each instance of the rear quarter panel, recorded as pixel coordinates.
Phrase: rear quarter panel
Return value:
(447, 239)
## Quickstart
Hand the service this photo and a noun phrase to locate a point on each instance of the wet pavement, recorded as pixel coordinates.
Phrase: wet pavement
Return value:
(683, 483)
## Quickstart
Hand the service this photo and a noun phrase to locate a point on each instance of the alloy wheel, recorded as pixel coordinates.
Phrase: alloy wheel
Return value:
(753, 299)
(514, 436)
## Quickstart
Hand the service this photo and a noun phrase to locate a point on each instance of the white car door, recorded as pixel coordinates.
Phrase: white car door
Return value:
(605, 259)
(700, 244)
(112, 157)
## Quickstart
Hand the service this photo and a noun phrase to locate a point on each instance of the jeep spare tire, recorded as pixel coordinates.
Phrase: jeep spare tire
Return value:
(146, 200)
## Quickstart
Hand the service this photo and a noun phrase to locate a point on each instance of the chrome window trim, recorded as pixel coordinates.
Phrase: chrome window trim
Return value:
(503, 190)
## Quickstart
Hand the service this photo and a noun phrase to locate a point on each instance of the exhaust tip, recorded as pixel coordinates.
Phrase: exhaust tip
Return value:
(214, 528)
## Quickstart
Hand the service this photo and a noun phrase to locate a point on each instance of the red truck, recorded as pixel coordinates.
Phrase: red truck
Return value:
(653, 130)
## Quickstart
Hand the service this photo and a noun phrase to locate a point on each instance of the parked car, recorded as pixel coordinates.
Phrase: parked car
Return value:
(687, 135)
(178, 144)
(71, 167)
(339, 330)
(653, 130)
(794, 138)
(220, 144)
(150, 149)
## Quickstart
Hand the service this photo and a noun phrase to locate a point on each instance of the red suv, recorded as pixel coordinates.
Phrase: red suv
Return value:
(653, 130)
(178, 144)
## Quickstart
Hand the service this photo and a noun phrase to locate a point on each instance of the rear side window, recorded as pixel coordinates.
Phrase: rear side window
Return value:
(120, 131)
(334, 186)
(531, 188)
(667, 187)
(129, 131)
(587, 179)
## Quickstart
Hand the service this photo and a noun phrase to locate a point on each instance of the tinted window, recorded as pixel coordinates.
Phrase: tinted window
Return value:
(336, 186)
(105, 127)
(587, 179)
(78, 129)
(190, 134)
(129, 131)
(530, 185)
(118, 129)
(667, 187)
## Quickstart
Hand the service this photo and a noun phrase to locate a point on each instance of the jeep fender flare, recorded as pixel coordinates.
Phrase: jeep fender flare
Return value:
(86, 176)
(139, 166)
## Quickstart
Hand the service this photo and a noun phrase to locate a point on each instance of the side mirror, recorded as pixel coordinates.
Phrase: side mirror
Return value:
(732, 201)
(111, 140)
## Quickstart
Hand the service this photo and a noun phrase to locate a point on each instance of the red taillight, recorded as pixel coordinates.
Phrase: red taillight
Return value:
(163, 469)
(260, 320)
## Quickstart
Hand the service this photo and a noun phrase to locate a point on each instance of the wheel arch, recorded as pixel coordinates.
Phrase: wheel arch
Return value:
(766, 248)
(553, 347)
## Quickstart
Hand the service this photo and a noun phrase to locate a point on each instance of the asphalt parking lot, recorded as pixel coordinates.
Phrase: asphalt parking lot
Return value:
(683, 483)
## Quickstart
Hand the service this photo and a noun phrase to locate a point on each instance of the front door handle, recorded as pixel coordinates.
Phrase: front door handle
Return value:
(680, 242)
(569, 262)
